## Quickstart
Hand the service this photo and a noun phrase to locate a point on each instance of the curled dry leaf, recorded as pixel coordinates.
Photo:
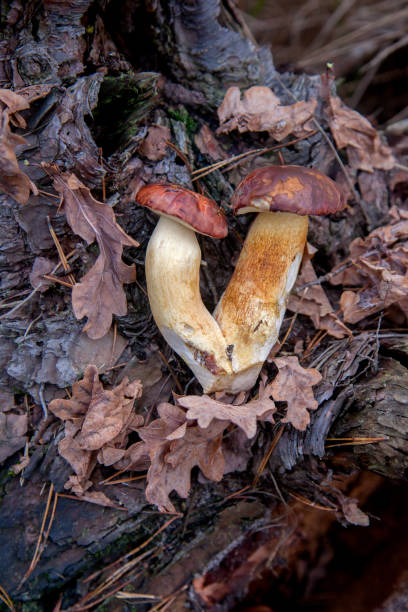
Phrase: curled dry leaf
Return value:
(205, 410)
(293, 384)
(365, 148)
(100, 293)
(13, 181)
(261, 111)
(379, 268)
(96, 419)
(313, 302)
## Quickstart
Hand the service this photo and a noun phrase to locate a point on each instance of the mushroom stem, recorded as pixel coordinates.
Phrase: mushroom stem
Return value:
(173, 260)
(252, 307)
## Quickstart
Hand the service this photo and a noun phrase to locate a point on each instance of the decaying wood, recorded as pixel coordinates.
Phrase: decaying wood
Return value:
(189, 54)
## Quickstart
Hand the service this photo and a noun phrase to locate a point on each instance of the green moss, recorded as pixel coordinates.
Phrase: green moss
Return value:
(181, 114)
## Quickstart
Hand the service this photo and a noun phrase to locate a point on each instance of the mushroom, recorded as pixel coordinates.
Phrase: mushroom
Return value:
(252, 307)
(173, 260)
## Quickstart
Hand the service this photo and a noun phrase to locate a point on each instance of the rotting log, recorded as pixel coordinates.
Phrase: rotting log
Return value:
(186, 65)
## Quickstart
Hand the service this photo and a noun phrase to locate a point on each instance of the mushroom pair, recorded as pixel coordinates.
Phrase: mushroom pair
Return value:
(226, 351)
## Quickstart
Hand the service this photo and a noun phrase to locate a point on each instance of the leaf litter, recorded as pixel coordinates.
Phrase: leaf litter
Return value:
(260, 110)
(98, 423)
(378, 270)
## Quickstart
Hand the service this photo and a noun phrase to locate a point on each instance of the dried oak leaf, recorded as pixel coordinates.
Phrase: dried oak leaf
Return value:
(261, 111)
(365, 148)
(13, 181)
(174, 449)
(379, 268)
(313, 302)
(205, 410)
(100, 292)
(293, 384)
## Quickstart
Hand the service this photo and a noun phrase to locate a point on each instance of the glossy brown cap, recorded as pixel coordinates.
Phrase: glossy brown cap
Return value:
(189, 208)
(292, 189)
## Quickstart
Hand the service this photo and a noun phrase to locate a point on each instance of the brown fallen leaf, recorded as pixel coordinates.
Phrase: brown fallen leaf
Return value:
(13, 181)
(100, 292)
(351, 130)
(313, 302)
(205, 410)
(174, 456)
(96, 419)
(108, 413)
(154, 146)
(260, 110)
(293, 384)
(379, 268)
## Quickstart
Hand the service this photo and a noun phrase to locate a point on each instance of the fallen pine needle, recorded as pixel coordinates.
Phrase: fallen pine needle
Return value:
(44, 533)
(355, 441)
(134, 550)
(61, 253)
(236, 493)
(55, 279)
(267, 456)
(307, 502)
(130, 595)
(80, 499)
(168, 600)
(122, 480)
(6, 599)
(173, 375)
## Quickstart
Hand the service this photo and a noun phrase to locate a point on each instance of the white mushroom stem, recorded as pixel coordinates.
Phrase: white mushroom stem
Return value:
(173, 260)
(252, 307)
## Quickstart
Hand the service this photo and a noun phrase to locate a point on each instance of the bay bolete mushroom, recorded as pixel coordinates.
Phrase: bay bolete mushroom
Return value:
(173, 260)
(252, 307)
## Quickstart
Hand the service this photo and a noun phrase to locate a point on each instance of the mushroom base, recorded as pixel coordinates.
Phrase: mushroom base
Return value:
(252, 307)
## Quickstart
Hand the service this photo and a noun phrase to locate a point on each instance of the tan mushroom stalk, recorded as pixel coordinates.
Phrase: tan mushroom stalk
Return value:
(173, 260)
(252, 307)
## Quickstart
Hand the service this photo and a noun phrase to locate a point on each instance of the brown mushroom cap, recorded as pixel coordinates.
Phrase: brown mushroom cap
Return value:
(292, 189)
(189, 208)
